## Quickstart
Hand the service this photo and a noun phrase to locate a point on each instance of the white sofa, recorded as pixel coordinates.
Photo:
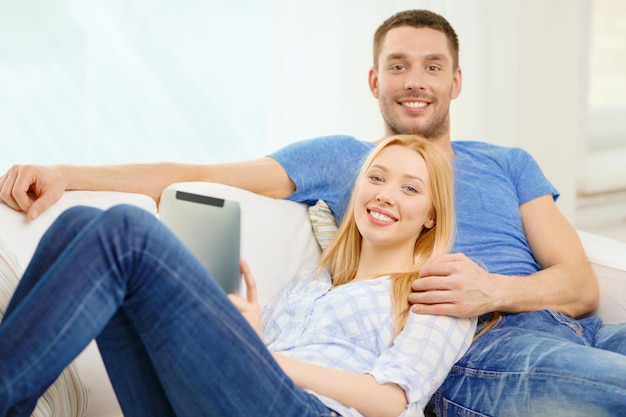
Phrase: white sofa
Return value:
(278, 243)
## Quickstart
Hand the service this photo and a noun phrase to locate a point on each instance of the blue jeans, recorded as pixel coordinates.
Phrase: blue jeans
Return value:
(172, 342)
(539, 364)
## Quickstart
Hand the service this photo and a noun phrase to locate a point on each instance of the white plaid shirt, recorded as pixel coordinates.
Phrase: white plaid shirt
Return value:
(350, 328)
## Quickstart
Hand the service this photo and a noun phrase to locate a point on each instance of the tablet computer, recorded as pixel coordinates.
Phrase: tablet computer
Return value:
(210, 227)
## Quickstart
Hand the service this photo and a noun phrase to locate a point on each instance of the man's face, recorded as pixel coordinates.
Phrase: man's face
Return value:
(415, 82)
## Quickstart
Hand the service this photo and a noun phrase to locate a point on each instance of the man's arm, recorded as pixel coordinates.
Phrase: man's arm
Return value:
(33, 189)
(566, 282)
(454, 285)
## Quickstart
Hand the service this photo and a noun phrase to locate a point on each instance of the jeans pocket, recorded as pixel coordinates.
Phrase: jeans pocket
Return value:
(452, 409)
(567, 321)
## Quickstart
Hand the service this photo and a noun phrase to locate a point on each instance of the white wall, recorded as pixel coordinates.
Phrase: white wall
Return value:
(93, 81)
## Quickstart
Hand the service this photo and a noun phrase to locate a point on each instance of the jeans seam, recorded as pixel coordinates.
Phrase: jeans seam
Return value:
(482, 373)
(461, 410)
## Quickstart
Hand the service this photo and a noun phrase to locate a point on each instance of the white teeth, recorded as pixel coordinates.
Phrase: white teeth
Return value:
(381, 217)
(414, 104)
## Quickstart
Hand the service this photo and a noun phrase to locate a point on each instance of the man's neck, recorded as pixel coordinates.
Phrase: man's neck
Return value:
(443, 142)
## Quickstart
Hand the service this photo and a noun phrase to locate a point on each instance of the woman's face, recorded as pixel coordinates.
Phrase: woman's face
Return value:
(393, 200)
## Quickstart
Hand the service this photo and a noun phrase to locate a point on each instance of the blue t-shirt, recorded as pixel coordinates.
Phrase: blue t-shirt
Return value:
(491, 183)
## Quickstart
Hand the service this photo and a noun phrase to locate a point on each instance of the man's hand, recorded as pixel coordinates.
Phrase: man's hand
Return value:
(453, 285)
(249, 307)
(31, 189)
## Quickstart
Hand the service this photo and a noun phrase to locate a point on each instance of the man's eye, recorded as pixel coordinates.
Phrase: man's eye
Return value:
(433, 68)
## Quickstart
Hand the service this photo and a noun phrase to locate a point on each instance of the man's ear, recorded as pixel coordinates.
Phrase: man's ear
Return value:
(373, 82)
(457, 83)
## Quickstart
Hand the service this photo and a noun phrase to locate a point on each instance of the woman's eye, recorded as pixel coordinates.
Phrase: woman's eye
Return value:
(376, 178)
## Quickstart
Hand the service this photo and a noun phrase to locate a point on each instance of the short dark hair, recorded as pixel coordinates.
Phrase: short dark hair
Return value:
(418, 19)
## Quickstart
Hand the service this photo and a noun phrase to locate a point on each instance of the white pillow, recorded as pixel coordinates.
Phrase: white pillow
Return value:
(323, 223)
(67, 397)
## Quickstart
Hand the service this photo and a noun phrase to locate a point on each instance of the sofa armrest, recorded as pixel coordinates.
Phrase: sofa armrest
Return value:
(23, 235)
(608, 260)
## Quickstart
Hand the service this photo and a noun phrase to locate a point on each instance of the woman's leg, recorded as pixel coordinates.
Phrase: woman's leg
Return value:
(128, 365)
(52, 244)
(207, 358)
(51, 247)
(48, 249)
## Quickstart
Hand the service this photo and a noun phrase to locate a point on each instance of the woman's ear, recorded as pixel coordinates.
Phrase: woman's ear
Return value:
(430, 222)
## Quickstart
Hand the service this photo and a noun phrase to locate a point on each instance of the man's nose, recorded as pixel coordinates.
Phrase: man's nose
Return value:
(414, 80)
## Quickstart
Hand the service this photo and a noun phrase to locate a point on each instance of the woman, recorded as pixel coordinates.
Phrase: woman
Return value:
(174, 345)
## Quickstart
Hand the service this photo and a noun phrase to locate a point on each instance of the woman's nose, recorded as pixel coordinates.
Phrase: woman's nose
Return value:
(383, 197)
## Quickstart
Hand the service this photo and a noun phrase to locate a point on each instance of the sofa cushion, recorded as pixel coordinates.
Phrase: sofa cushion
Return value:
(67, 397)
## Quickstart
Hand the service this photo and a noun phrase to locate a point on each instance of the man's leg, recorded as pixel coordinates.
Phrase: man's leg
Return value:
(612, 337)
(537, 364)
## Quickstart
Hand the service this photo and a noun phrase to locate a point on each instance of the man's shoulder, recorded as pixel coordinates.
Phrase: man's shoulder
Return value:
(477, 146)
(477, 149)
(340, 141)
(328, 144)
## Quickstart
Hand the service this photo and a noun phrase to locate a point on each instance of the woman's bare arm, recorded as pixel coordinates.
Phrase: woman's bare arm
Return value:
(360, 391)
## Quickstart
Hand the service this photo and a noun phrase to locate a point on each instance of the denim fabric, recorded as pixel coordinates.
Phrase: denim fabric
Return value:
(539, 364)
(172, 342)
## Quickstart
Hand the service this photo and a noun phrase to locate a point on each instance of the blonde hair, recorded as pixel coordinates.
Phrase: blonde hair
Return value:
(343, 254)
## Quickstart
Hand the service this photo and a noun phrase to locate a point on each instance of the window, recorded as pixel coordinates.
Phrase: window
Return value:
(607, 74)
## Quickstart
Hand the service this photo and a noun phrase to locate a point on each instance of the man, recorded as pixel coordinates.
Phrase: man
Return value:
(515, 253)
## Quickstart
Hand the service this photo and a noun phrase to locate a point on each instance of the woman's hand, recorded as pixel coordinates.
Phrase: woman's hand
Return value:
(249, 307)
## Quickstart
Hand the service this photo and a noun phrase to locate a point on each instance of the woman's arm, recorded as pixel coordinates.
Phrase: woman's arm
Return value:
(359, 391)
(405, 375)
